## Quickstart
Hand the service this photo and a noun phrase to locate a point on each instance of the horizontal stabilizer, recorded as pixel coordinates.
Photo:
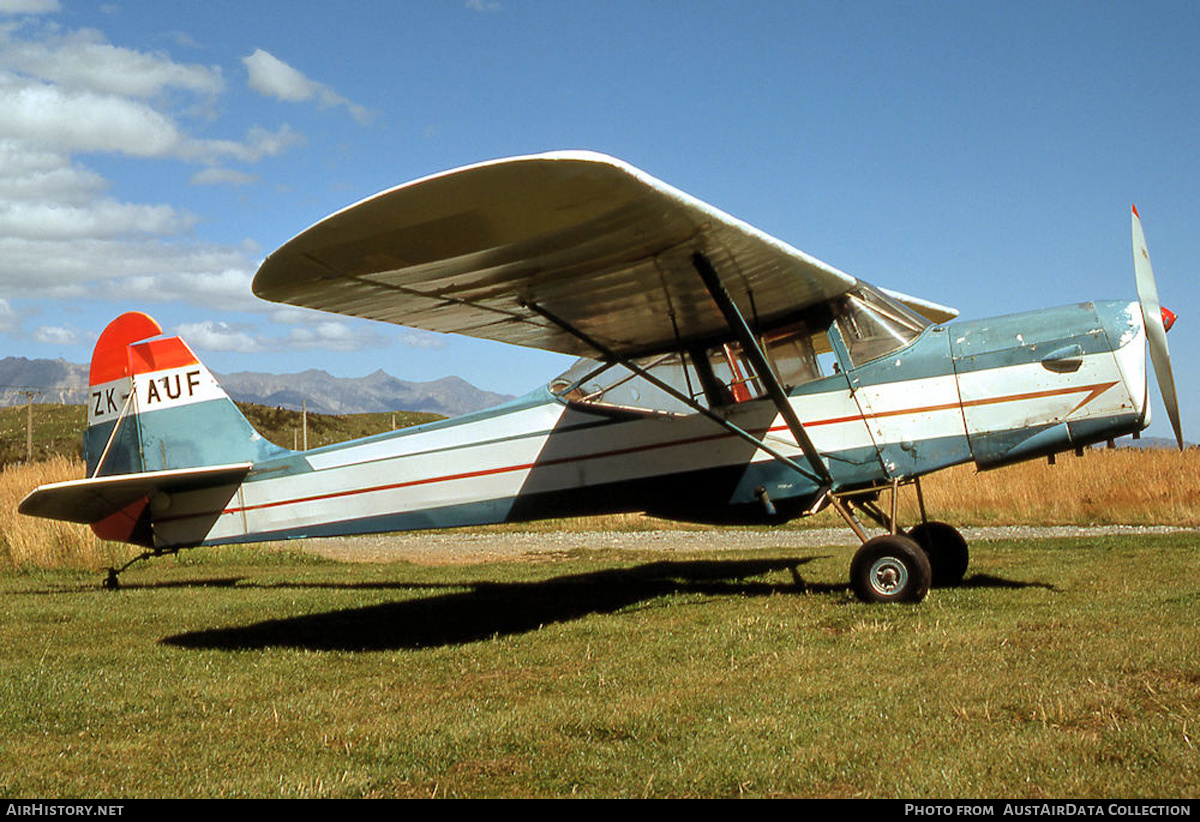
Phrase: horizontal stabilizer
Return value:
(90, 501)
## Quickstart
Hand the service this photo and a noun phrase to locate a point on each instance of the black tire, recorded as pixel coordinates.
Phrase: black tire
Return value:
(946, 549)
(890, 569)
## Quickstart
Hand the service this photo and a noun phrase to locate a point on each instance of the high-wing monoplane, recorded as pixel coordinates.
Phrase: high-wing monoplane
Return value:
(723, 376)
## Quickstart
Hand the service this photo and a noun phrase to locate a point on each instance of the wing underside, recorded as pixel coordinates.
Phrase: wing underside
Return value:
(581, 236)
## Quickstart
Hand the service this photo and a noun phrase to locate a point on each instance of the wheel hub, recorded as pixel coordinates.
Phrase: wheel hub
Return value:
(888, 575)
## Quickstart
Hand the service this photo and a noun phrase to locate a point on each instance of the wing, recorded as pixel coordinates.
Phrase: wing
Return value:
(585, 237)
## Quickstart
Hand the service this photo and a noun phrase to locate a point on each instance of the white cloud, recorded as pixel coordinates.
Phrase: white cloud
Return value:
(290, 315)
(75, 92)
(56, 335)
(326, 335)
(71, 120)
(421, 339)
(28, 6)
(483, 5)
(259, 143)
(217, 336)
(193, 279)
(105, 218)
(32, 174)
(146, 270)
(82, 59)
(61, 235)
(10, 320)
(332, 335)
(263, 143)
(271, 77)
(317, 330)
(54, 119)
(66, 237)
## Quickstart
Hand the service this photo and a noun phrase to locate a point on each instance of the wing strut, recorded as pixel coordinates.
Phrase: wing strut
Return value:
(766, 375)
(611, 356)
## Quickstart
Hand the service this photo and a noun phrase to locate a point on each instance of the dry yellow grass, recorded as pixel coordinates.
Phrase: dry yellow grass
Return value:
(1103, 486)
(29, 542)
(1123, 486)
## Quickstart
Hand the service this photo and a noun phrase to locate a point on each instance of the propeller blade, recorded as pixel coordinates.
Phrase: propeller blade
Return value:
(1152, 316)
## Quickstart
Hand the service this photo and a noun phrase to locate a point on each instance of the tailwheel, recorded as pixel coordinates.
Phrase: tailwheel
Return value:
(890, 568)
(946, 549)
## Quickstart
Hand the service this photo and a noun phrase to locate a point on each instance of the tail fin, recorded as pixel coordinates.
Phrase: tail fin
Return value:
(158, 424)
(153, 406)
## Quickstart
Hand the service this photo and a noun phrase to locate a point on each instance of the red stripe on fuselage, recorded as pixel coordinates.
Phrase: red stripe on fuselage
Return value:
(1093, 391)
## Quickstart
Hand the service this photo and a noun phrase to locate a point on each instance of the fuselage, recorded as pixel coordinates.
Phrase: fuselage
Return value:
(989, 391)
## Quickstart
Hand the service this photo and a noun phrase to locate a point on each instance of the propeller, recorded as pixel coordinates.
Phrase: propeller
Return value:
(1157, 320)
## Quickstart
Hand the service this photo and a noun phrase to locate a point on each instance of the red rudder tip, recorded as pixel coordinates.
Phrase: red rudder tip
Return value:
(110, 357)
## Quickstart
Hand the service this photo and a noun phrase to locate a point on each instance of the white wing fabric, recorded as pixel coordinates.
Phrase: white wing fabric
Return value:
(585, 237)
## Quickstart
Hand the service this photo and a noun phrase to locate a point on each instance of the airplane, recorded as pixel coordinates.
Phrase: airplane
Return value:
(723, 376)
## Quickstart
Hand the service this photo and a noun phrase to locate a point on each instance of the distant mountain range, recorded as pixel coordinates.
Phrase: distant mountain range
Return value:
(63, 382)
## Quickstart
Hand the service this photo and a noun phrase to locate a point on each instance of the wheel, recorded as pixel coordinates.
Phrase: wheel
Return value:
(946, 549)
(890, 569)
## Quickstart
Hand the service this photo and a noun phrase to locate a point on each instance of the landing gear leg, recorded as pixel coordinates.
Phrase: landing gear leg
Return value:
(112, 583)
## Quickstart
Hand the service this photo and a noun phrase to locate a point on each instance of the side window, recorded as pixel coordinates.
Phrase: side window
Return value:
(713, 377)
(794, 357)
(589, 381)
(734, 371)
(795, 354)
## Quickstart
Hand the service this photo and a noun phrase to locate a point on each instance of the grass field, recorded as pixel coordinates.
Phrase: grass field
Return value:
(1059, 669)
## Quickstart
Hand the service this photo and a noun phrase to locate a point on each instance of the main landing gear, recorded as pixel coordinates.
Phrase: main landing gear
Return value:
(899, 566)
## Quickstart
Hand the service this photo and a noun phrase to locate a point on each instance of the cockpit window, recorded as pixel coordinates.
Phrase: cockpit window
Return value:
(712, 377)
(589, 381)
(870, 323)
(874, 325)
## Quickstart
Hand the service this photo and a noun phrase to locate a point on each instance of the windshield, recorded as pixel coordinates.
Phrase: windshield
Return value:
(873, 324)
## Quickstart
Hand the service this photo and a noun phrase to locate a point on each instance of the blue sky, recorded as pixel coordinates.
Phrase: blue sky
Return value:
(983, 155)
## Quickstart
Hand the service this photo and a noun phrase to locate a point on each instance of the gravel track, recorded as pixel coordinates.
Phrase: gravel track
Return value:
(465, 548)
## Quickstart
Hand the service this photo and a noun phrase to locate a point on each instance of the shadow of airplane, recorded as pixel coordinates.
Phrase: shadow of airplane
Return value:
(490, 609)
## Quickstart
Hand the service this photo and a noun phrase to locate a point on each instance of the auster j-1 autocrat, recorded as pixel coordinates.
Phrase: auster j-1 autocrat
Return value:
(723, 376)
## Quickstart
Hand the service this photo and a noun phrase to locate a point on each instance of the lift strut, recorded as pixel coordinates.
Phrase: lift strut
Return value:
(758, 360)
